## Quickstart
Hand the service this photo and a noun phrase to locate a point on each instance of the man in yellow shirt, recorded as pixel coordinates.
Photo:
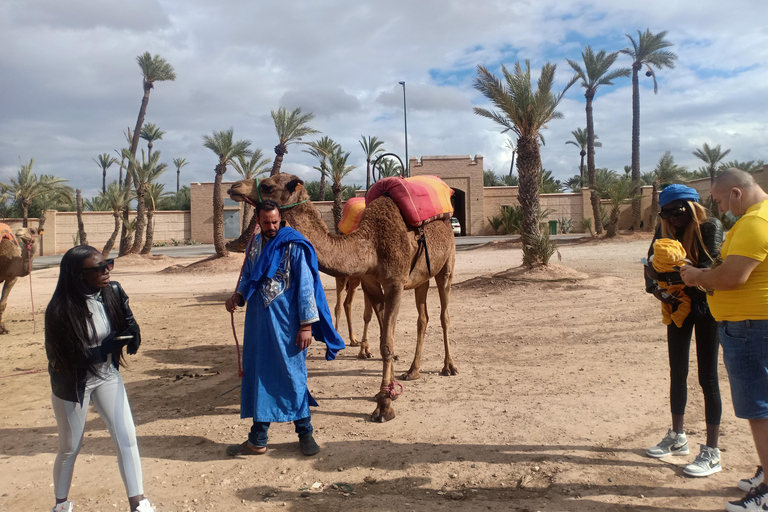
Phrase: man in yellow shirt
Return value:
(739, 303)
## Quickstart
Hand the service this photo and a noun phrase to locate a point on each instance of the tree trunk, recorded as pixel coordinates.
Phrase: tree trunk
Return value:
(654, 207)
(581, 169)
(614, 224)
(24, 213)
(150, 233)
(636, 213)
(40, 229)
(280, 150)
(125, 239)
(590, 95)
(250, 223)
(80, 228)
(149, 150)
(512, 165)
(141, 221)
(528, 169)
(321, 187)
(178, 179)
(218, 211)
(104, 182)
(367, 173)
(111, 242)
(337, 208)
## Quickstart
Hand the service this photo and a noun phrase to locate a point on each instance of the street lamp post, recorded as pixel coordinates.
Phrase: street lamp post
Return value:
(407, 169)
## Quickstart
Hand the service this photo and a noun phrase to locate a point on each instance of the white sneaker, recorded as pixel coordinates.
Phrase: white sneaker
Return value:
(746, 484)
(144, 506)
(756, 500)
(705, 463)
(673, 444)
(64, 506)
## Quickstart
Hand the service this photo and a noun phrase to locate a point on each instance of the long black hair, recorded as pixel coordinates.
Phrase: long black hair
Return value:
(67, 315)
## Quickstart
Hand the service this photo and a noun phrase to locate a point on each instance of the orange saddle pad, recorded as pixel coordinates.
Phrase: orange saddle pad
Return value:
(353, 212)
(420, 198)
(7, 234)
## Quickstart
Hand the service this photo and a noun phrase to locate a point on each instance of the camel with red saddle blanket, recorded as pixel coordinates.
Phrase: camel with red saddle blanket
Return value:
(388, 255)
(15, 261)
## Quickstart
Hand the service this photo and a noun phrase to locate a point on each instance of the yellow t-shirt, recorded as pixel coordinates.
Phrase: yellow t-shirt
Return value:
(748, 237)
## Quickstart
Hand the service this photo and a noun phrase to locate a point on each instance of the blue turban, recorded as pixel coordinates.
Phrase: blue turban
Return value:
(675, 192)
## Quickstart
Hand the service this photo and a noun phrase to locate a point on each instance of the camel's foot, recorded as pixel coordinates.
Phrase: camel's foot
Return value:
(412, 374)
(384, 410)
(396, 357)
(3, 329)
(354, 343)
(364, 354)
(449, 369)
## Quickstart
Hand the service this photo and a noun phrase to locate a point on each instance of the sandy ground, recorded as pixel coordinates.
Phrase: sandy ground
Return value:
(562, 387)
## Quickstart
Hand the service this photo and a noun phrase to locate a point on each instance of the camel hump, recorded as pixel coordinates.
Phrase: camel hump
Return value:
(7, 234)
(421, 199)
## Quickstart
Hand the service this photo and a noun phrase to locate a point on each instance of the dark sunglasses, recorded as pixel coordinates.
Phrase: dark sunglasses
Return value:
(100, 269)
(677, 212)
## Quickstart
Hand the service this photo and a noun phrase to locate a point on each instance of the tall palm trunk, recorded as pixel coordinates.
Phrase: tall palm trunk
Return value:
(528, 168)
(125, 237)
(40, 229)
(104, 182)
(150, 233)
(111, 242)
(141, 221)
(636, 213)
(280, 150)
(581, 168)
(337, 208)
(613, 226)
(655, 206)
(321, 187)
(512, 164)
(80, 227)
(367, 173)
(24, 213)
(593, 197)
(178, 179)
(218, 211)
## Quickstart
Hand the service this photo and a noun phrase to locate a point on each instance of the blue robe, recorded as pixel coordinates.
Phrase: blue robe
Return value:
(281, 283)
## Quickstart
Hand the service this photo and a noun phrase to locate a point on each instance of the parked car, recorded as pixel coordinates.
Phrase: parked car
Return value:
(456, 226)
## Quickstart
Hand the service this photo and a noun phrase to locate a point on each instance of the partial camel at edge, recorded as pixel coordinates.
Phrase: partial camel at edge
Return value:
(15, 262)
(384, 253)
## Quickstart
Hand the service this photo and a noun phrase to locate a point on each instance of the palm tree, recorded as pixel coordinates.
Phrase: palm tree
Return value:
(291, 127)
(371, 146)
(151, 133)
(321, 149)
(104, 161)
(151, 198)
(665, 173)
(580, 136)
(339, 169)
(114, 199)
(153, 69)
(227, 149)
(490, 179)
(750, 166)
(549, 185)
(388, 168)
(618, 192)
(26, 187)
(711, 156)
(525, 113)
(510, 144)
(248, 169)
(647, 51)
(573, 183)
(143, 173)
(122, 153)
(179, 163)
(55, 196)
(595, 73)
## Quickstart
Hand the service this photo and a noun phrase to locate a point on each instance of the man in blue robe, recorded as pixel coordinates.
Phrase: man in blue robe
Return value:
(286, 309)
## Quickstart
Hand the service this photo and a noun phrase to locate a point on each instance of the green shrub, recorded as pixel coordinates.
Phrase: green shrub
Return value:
(539, 250)
(496, 223)
(586, 225)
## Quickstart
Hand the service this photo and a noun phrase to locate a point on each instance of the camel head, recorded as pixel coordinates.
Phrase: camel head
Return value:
(29, 237)
(282, 188)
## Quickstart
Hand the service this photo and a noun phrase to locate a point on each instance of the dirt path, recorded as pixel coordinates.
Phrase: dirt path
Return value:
(562, 387)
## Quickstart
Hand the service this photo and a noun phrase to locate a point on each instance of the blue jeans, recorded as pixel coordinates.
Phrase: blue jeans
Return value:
(258, 435)
(745, 353)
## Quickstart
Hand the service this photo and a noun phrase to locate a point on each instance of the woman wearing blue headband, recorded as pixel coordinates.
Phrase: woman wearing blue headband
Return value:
(685, 220)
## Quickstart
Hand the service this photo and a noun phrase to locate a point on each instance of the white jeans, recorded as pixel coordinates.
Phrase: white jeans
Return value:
(111, 402)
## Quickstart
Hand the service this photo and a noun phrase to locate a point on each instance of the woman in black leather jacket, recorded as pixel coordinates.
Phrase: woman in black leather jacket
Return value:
(685, 220)
(87, 324)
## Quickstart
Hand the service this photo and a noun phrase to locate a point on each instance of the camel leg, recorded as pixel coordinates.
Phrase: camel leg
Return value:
(390, 300)
(367, 314)
(352, 284)
(4, 302)
(443, 280)
(421, 328)
(341, 282)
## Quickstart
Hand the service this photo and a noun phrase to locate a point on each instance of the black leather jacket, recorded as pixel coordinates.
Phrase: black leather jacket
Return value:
(69, 383)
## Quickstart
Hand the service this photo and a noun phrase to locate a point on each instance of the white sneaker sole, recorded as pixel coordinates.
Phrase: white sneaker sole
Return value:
(677, 453)
(708, 472)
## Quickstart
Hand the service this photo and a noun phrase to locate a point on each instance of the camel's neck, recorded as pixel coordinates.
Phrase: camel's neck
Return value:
(337, 255)
(27, 254)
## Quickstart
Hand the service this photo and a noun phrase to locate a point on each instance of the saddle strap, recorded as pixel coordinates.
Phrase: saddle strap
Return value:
(422, 246)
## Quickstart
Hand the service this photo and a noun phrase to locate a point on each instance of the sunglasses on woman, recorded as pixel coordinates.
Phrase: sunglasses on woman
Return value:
(103, 268)
(677, 212)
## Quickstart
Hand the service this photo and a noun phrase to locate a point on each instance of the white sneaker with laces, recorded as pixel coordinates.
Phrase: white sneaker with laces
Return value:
(672, 444)
(705, 463)
(746, 484)
(64, 506)
(144, 506)
(756, 500)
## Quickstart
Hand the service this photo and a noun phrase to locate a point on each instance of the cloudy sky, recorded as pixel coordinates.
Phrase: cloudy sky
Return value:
(70, 85)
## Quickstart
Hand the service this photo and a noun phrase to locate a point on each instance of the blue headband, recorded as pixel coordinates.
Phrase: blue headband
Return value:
(675, 192)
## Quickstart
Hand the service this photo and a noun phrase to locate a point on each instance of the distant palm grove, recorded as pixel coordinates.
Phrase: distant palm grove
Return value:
(517, 106)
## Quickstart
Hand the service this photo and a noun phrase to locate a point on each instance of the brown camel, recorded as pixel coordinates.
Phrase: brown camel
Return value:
(15, 262)
(350, 284)
(384, 253)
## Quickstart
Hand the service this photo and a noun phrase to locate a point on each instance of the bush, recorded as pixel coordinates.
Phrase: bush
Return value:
(539, 250)
(586, 225)
(496, 224)
(512, 218)
(565, 225)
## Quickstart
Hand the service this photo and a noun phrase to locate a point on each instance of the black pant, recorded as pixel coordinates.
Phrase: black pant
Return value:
(707, 347)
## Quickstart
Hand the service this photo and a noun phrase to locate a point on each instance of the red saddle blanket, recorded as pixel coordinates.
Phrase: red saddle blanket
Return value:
(7, 234)
(420, 198)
